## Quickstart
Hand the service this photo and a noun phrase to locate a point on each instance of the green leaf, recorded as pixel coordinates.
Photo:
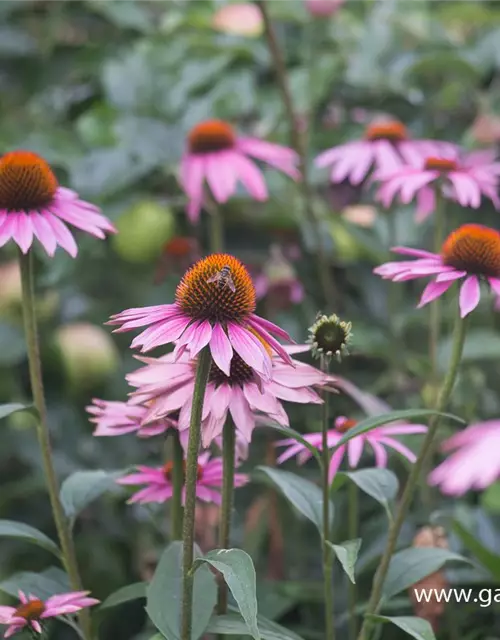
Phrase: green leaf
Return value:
(12, 529)
(407, 414)
(233, 624)
(239, 573)
(43, 585)
(417, 628)
(164, 595)
(488, 558)
(347, 554)
(13, 407)
(412, 565)
(480, 344)
(305, 496)
(125, 594)
(381, 484)
(82, 487)
(295, 435)
(490, 498)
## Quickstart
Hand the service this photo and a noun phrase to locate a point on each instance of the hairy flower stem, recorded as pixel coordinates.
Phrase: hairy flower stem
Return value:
(200, 385)
(43, 434)
(298, 142)
(228, 447)
(178, 484)
(327, 550)
(353, 517)
(216, 239)
(413, 478)
(435, 307)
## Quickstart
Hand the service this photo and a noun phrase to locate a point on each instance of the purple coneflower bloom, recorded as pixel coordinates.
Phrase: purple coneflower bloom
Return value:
(378, 439)
(383, 148)
(32, 611)
(278, 281)
(168, 383)
(472, 252)
(474, 463)
(464, 179)
(215, 154)
(159, 487)
(33, 205)
(118, 418)
(215, 304)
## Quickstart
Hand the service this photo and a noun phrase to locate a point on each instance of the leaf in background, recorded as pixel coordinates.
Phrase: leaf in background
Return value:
(347, 554)
(381, 484)
(12, 345)
(82, 487)
(394, 416)
(490, 498)
(305, 496)
(295, 435)
(488, 558)
(239, 574)
(233, 624)
(43, 585)
(412, 565)
(12, 529)
(480, 344)
(164, 594)
(13, 407)
(125, 594)
(417, 628)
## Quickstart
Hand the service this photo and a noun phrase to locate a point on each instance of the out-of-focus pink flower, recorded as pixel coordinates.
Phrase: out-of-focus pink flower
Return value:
(159, 487)
(214, 306)
(464, 179)
(243, 19)
(32, 611)
(279, 281)
(169, 383)
(472, 252)
(385, 147)
(33, 205)
(118, 418)
(323, 8)
(378, 439)
(473, 461)
(217, 155)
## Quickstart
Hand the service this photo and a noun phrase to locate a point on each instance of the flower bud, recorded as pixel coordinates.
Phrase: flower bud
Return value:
(323, 8)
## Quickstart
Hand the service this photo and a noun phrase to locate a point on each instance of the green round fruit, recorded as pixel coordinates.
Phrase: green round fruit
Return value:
(142, 232)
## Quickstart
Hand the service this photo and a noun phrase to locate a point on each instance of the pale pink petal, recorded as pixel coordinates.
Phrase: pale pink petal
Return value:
(399, 447)
(379, 451)
(62, 234)
(495, 285)
(250, 175)
(24, 232)
(249, 348)
(450, 275)
(221, 174)
(426, 203)
(354, 451)
(470, 294)
(335, 462)
(221, 349)
(432, 291)
(44, 233)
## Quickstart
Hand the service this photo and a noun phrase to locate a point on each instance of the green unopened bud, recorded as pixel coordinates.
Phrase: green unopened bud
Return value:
(329, 337)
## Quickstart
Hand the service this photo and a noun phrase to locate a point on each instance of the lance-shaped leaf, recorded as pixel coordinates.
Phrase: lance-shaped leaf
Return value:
(417, 628)
(12, 529)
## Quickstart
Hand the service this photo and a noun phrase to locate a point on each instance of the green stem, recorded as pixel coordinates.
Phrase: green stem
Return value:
(43, 434)
(327, 550)
(393, 299)
(228, 458)
(298, 142)
(413, 478)
(200, 385)
(216, 226)
(435, 308)
(353, 516)
(178, 484)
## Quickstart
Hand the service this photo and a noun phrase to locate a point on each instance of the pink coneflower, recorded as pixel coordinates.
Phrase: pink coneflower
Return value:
(170, 383)
(33, 205)
(378, 439)
(214, 305)
(474, 464)
(215, 154)
(471, 252)
(323, 8)
(159, 487)
(278, 281)
(118, 418)
(465, 180)
(384, 148)
(32, 611)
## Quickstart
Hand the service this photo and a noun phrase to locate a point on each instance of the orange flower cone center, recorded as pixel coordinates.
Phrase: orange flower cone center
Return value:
(344, 425)
(211, 135)
(168, 470)
(440, 164)
(31, 610)
(394, 131)
(217, 288)
(473, 248)
(26, 182)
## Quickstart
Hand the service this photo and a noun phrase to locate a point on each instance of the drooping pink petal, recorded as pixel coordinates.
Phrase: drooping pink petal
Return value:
(432, 291)
(250, 175)
(221, 349)
(470, 294)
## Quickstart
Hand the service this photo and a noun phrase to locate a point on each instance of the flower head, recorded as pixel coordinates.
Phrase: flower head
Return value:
(330, 337)
(243, 19)
(32, 611)
(464, 179)
(169, 384)
(159, 487)
(214, 305)
(215, 153)
(118, 418)
(384, 147)
(323, 8)
(378, 439)
(32, 204)
(472, 252)
(473, 461)
(278, 281)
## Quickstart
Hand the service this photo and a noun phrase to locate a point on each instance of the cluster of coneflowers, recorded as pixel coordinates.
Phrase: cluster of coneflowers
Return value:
(227, 370)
